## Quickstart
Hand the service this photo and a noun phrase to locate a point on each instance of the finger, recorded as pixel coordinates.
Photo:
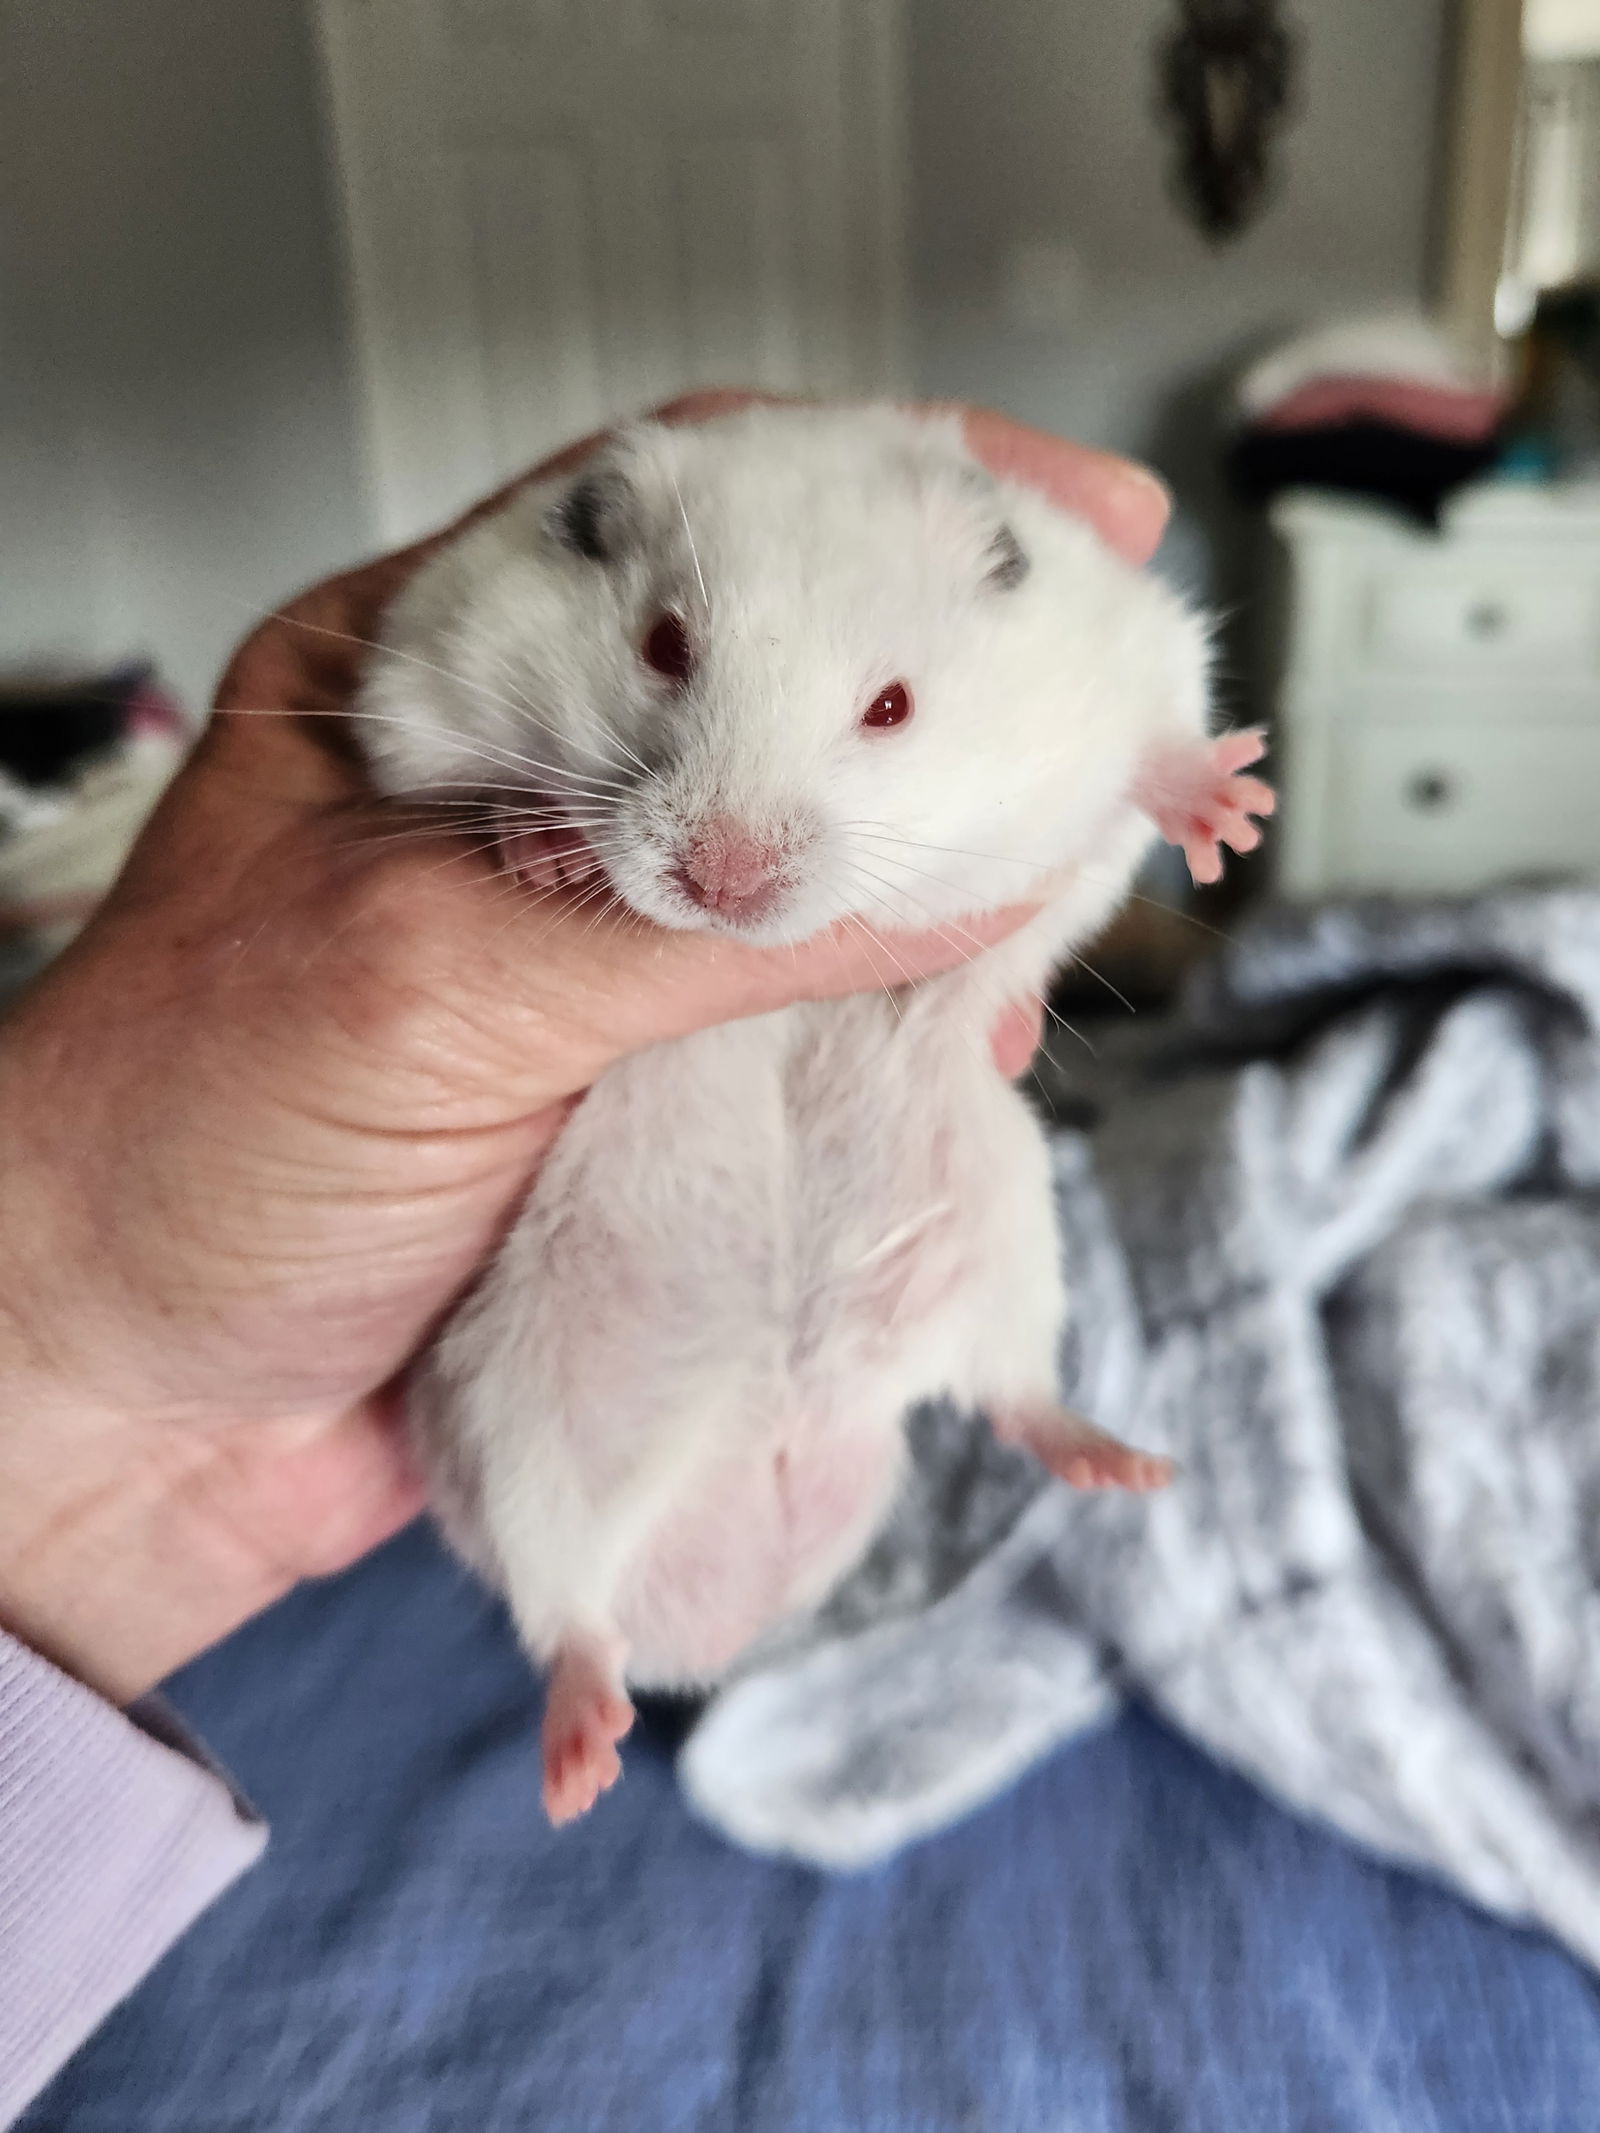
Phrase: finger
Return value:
(310, 1500)
(851, 959)
(613, 983)
(1015, 1037)
(1125, 503)
(1127, 506)
(705, 406)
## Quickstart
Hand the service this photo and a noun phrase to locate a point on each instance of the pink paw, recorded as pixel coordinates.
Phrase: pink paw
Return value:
(1108, 1464)
(585, 1716)
(1194, 794)
(1081, 1455)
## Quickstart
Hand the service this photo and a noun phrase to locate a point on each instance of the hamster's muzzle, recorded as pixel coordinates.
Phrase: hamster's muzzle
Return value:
(735, 871)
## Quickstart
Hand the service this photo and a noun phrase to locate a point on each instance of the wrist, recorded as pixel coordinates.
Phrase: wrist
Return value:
(105, 1568)
(109, 1566)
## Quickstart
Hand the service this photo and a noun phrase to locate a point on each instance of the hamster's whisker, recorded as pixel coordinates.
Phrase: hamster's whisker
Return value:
(1061, 1022)
(598, 895)
(565, 908)
(880, 835)
(418, 833)
(465, 816)
(508, 676)
(391, 651)
(946, 927)
(385, 718)
(694, 552)
(1088, 874)
(999, 1004)
(464, 851)
(871, 942)
(519, 792)
(517, 895)
(1156, 903)
(1001, 1001)
(496, 754)
(500, 759)
(523, 808)
(895, 888)
(879, 942)
(515, 758)
(1083, 963)
(498, 820)
(888, 859)
(938, 928)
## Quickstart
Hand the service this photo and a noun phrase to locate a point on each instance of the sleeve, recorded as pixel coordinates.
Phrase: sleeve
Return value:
(114, 1837)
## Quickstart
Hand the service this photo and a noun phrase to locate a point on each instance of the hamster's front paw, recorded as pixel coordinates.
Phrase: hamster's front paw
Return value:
(1195, 795)
(585, 1714)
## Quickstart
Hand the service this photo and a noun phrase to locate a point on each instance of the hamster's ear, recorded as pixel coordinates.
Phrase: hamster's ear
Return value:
(1007, 559)
(597, 516)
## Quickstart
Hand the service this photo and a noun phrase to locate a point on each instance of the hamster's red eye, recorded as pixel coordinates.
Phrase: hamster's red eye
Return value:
(668, 650)
(890, 707)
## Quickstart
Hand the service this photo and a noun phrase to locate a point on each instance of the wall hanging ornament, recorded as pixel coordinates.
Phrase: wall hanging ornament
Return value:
(1226, 72)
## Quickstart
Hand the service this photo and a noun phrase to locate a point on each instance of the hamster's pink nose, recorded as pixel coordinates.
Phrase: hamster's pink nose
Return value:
(728, 869)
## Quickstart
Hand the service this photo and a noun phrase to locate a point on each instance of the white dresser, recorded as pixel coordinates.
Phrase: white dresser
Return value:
(1439, 695)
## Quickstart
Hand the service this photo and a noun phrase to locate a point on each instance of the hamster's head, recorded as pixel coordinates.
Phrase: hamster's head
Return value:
(787, 668)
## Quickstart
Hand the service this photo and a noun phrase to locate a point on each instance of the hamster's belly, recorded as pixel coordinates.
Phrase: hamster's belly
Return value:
(917, 1167)
(754, 1250)
(763, 1531)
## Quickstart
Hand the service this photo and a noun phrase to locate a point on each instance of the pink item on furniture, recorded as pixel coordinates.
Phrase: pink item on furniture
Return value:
(1457, 415)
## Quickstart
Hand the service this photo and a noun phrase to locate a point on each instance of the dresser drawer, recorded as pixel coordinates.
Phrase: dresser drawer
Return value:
(1452, 807)
(1458, 616)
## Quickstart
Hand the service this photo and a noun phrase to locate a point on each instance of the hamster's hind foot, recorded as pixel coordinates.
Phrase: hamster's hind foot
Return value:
(586, 1713)
(1079, 1454)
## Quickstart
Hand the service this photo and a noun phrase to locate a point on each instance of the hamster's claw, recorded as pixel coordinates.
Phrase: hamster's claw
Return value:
(1194, 793)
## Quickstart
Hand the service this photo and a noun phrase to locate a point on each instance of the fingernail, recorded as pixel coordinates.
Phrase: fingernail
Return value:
(1145, 491)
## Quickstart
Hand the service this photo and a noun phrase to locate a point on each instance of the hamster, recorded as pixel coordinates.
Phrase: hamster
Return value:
(789, 667)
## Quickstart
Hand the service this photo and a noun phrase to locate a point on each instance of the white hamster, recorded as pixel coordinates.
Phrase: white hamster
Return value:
(784, 668)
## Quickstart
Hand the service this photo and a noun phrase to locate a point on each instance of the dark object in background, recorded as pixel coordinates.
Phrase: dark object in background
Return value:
(1226, 75)
(83, 760)
(1415, 472)
(1555, 425)
(48, 728)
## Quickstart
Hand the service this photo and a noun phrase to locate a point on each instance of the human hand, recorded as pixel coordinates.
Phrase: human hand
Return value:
(273, 1108)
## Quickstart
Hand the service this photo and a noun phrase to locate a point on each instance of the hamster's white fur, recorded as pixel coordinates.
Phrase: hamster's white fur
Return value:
(671, 1411)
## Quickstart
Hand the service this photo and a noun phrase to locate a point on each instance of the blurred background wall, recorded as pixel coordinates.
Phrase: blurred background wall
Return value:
(178, 441)
(181, 435)
(1052, 274)
(1051, 270)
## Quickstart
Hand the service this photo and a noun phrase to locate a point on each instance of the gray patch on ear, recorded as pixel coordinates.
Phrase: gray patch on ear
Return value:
(1008, 565)
(587, 519)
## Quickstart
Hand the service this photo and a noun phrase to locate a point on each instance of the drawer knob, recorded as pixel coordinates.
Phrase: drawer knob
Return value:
(1429, 790)
(1486, 618)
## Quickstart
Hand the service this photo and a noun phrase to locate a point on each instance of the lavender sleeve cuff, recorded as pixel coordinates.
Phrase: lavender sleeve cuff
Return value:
(112, 1842)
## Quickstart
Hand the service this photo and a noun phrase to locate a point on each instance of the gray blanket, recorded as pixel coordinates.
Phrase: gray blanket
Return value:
(1334, 1243)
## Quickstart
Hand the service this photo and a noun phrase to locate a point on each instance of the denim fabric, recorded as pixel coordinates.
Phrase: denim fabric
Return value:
(1132, 1939)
